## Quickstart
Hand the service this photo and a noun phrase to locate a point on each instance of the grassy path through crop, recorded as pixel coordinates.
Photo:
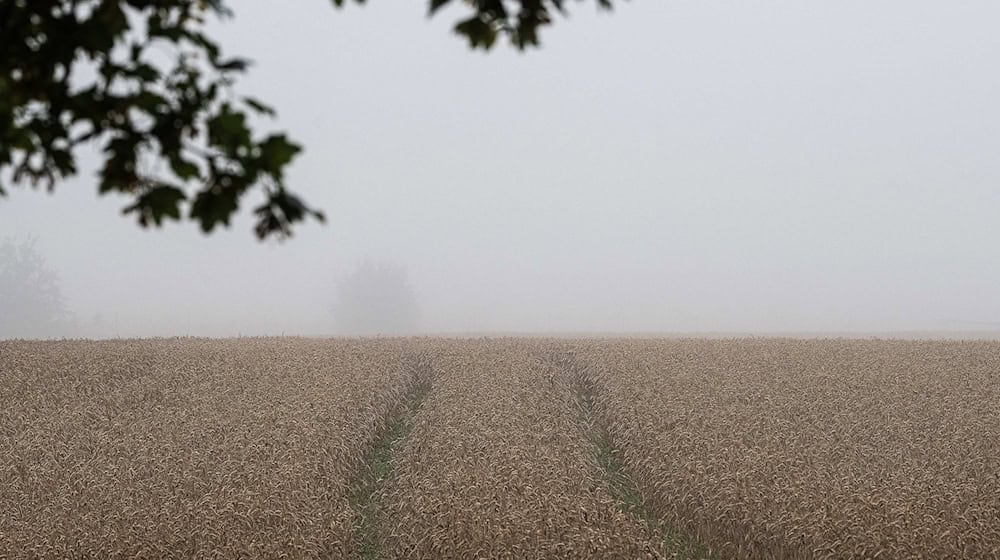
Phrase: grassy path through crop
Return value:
(625, 492)
(366, 493)
(498, 467)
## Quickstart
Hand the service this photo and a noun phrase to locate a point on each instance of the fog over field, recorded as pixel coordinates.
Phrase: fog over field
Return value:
(674, 166)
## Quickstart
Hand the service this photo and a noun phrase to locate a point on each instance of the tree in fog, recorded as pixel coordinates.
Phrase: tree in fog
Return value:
(31, 303)
(375, 298)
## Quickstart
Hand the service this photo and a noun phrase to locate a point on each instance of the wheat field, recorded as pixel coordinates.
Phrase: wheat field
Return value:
(498, 466)
(187, 448)
(811, 448)
(499, 448)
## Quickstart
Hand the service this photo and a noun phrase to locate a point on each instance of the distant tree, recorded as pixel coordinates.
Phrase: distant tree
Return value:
(31, 303)
(375, 298)
(141, 80)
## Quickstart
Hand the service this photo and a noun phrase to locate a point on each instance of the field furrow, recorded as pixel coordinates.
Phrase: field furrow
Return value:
(608, 454)
(498, 466)
(368, 487)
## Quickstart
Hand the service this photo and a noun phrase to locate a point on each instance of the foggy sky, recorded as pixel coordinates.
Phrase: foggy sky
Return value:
(676, 166)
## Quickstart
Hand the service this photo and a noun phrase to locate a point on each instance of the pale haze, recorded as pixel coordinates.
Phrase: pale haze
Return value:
(670, 167)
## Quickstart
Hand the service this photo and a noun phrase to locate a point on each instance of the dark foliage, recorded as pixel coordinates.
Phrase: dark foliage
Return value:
(141, 79)
(519, 20)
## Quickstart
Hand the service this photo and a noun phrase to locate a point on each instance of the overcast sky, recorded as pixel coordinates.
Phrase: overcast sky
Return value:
(675, 166)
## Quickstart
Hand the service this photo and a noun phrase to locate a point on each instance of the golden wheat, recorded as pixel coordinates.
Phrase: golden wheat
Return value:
(187, 448)
(812, 449)
(498, 466)
(248, 448)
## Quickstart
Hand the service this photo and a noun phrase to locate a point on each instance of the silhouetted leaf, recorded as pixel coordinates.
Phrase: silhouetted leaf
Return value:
(233, 64)
(228, 129)
(183, 168)
(282, 209)
(258, 106)
(478, 32)
(157, 204)
(213, 206)
(119, 171)
(276, 152)
(63, 162)
(437, 5)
